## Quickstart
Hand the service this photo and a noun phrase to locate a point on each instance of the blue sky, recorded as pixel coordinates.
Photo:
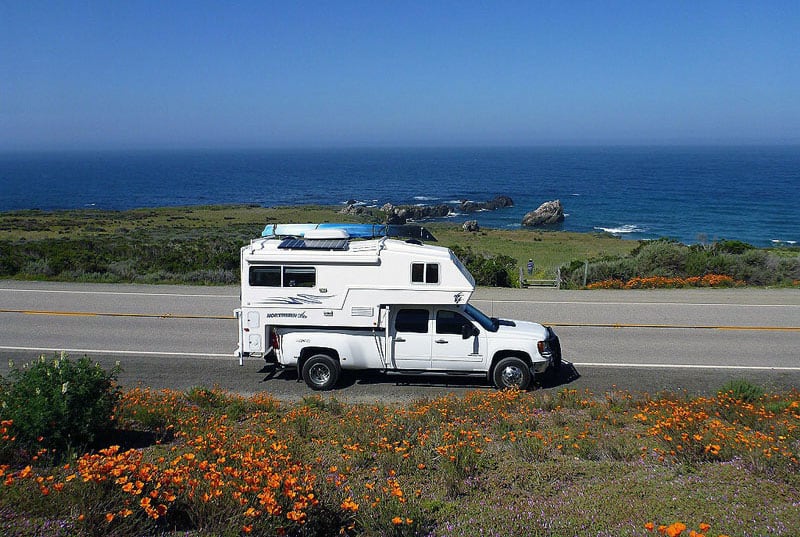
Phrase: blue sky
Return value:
(140, 74)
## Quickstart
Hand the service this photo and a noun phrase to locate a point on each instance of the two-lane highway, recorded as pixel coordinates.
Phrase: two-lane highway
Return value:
(179, 336)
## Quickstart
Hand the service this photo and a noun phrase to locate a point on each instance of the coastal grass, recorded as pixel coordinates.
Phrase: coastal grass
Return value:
(548, 249)
(200, 245)
(208, 462)
(168, 244)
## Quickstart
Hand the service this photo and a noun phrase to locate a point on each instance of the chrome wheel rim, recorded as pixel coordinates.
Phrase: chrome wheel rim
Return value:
(319, 374)
(512, 375)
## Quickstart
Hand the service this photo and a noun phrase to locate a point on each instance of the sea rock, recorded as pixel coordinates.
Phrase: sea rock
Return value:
(471, 226)
(497, 203)
(400, 214)
(355, 209)
(548, 214)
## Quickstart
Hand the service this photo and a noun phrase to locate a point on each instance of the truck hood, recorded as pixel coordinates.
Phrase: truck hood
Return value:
(521, 329)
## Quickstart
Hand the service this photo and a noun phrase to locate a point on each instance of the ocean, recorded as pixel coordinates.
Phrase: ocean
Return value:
(691, 194)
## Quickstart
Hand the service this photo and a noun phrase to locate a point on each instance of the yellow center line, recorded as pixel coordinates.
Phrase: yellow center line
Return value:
(578, 325)
(114, 314)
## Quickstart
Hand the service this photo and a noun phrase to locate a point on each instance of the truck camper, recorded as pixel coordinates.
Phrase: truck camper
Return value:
(326, 297)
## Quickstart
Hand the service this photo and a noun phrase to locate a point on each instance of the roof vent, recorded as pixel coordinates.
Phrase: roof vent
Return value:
(326, 234)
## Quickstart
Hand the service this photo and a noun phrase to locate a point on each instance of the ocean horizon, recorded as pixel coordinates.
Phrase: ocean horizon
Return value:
(691, 194)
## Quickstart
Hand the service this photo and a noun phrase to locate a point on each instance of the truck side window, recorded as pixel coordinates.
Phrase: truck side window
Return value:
(450, 322)
(262, 276)
(424, 273)
(412, 320)
(299, 276)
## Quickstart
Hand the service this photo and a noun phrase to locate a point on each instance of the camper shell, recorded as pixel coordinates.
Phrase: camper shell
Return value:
(324, 292)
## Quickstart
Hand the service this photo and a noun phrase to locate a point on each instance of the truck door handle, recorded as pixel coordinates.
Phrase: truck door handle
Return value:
(399, 339)
(441, 341)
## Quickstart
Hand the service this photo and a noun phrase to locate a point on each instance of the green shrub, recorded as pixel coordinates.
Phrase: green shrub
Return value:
(492, 271)
(663, 257)
(743, 390)
(58, 404)
(9, 260)
(611, 269)
(732, 247)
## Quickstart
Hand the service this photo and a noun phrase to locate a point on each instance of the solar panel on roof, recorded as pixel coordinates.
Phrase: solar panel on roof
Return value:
(302, 244)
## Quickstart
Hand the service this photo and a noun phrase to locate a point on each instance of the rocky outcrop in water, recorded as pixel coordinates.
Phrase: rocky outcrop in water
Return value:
(499, 202)
(356, 209)
(401, 214)
(549, 213)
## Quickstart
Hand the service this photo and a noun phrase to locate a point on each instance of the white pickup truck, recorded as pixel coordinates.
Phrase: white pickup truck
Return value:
(423, 339)
(322, 302)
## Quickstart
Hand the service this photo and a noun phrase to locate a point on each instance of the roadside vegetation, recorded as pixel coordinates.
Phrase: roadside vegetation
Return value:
(200, 245)
(206, 462)
(668, 263)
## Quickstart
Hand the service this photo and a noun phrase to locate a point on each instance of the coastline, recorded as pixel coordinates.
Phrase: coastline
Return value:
(692, 194)
(200, 245)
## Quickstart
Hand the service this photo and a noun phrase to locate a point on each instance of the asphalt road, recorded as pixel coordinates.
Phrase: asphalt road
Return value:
(643, 341)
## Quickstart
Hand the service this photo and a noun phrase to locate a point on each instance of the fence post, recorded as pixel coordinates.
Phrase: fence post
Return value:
(585, 271)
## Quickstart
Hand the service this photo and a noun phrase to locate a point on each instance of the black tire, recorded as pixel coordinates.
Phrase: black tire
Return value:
(511, 372)
(321, 372)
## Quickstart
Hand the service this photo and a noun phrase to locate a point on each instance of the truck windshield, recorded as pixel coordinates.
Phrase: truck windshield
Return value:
(484, 320)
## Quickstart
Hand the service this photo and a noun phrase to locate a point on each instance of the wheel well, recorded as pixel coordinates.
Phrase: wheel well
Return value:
(308, 352)
(508, 354)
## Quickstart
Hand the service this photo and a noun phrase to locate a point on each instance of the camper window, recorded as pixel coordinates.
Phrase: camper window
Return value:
(424, 273)
(262, 276)
(269, 276)
(412, 320)
(299, 277)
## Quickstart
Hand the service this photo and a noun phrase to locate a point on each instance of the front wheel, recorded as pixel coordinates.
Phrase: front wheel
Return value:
(511, 372)
(320, 372)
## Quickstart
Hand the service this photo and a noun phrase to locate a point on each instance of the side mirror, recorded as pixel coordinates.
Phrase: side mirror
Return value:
(467, 331)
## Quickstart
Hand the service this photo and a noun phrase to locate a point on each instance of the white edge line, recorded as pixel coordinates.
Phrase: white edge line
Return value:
(581, 364)
(589, 303)
(687, 366)
(110, 351)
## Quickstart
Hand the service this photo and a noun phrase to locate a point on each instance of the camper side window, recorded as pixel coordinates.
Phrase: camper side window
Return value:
(265, 276)
(415, 320)
(299, 277)
(424, 273)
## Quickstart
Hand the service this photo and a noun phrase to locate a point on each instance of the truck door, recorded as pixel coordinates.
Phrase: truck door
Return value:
(450, 350)
(412, 338)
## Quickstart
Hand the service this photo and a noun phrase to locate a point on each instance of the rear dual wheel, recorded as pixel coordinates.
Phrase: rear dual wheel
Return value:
(320, 372)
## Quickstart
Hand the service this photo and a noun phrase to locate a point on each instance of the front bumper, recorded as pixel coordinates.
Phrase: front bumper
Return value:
(552, 349)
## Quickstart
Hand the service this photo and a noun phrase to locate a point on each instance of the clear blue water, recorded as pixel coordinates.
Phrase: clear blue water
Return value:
(690, 194)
